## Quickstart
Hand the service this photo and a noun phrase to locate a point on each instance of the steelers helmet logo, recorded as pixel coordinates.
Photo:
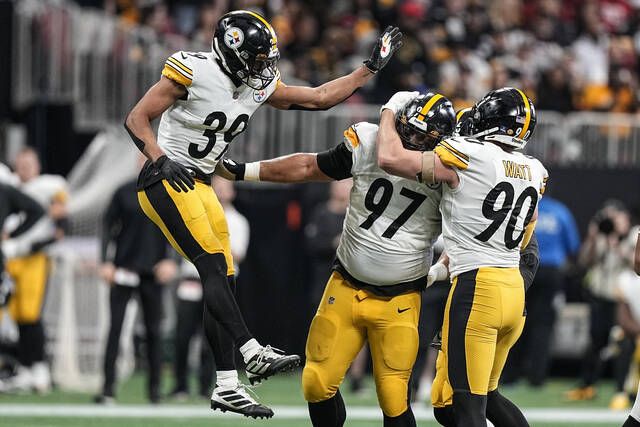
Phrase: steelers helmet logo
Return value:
(233, 37)
(385, 49)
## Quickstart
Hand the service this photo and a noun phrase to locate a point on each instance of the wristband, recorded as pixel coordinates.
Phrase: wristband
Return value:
(252, 171)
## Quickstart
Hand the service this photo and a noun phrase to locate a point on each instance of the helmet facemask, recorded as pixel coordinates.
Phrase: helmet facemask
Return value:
(413, 134)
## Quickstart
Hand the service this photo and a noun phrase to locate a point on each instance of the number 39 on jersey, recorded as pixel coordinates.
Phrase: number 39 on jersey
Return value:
(197, 131)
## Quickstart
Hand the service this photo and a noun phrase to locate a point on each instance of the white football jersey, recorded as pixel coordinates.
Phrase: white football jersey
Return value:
(391, 223)
(45, 189)
(197, 131)
(483, 219)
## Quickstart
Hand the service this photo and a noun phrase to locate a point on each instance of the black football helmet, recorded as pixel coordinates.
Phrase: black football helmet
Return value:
(504, 116)
(247, 46)
(425, 121)
(463, 124)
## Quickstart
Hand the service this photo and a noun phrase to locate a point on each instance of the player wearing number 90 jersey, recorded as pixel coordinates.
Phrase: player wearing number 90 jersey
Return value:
(489, 207)
(206, 99)
(382, 260)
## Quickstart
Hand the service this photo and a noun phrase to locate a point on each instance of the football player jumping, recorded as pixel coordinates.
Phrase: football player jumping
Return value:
(489, 208)
(382, 260)
(206, 100)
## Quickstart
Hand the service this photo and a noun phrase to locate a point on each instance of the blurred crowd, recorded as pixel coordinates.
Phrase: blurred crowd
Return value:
(566, 54)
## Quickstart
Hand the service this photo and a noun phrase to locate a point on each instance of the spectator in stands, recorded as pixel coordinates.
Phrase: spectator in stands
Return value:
(559, 241)
(604, 254)
(28, 265)
(190, 304)
(135, 258)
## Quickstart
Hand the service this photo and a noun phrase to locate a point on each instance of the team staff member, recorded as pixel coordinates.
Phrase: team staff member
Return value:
(206, 99)
(382, 261)
(29, 267)
(134, 260)
(489, 206)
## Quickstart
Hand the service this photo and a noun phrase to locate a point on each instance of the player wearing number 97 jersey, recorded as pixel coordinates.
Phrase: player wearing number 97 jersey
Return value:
(381, 265)
(489, 207)
(206, 99)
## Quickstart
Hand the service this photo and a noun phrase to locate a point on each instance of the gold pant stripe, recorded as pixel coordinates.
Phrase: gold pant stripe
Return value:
(345, 319)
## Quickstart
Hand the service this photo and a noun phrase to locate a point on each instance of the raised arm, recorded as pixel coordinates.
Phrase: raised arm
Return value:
(393, 158)
(334, 92)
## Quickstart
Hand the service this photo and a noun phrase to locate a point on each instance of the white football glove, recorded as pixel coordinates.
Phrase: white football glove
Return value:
(437, 272)
(398, 101)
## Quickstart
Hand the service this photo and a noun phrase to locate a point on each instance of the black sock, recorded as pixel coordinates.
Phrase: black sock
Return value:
(220, 341)
(469, 409)
(31, 343)
(406, 419)
(444, 416)
(219, 299)
(503, 413)
(631, 422)
(328, 413)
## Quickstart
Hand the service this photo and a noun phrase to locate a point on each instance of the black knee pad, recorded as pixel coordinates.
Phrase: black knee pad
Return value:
(406, 419)
(444, 416)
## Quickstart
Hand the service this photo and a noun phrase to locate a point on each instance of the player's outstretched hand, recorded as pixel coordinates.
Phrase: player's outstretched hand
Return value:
(178, 176)
(230, 169)
(398, 101)
(388, 42)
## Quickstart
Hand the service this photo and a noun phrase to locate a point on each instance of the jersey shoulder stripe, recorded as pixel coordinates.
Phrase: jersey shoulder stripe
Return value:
(351, 136)
(177, 70)
(449, 156)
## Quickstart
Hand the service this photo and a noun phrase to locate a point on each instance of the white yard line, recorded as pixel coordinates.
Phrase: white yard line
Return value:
(570, 416)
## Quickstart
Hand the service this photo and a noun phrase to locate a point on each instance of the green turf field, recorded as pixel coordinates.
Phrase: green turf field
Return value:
(281, 392)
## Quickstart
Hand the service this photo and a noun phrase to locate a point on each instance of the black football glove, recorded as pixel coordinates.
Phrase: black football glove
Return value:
(229, 169)
(388, 42)
(178, 176)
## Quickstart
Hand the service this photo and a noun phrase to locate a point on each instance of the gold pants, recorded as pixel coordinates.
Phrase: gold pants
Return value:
(346, 318)
(30, 275)
(193, 222)
(483, 319)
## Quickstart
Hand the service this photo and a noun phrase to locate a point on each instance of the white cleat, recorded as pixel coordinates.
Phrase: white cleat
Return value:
(237, 399)
(269, 361)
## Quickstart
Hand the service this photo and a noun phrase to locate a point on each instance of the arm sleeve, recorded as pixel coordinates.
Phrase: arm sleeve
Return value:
(179, 69)
(336, 162)
(20, 202)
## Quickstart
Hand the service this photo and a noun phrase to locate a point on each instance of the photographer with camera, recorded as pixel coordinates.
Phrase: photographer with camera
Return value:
(605, 254)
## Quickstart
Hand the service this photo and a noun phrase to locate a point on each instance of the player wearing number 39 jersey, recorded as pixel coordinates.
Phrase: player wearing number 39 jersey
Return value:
(489, 208)
(206, 99)
(381, 265)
